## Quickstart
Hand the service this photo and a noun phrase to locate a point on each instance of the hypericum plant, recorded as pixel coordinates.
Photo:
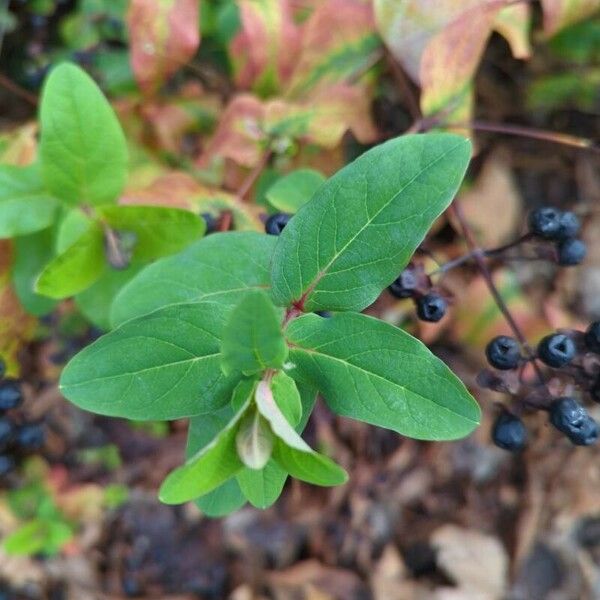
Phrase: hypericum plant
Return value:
(62, 210)
(226, 333)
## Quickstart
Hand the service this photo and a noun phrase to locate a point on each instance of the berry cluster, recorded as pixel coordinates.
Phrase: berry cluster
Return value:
(562, 228)
(414, 283)
(16, 436)
(574, 357)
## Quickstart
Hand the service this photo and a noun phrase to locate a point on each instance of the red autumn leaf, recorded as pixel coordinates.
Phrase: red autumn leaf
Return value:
(163, 36)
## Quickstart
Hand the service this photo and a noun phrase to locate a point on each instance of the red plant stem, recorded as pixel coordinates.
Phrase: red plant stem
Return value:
(487, 276)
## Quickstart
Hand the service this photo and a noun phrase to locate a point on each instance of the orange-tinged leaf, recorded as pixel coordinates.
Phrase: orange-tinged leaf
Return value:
(324, 118)
(513, 23)
(164, 34)
(561, 13)
(239, 133)
(338, 44)
(19, 147)
(16, 326)
(265, 50)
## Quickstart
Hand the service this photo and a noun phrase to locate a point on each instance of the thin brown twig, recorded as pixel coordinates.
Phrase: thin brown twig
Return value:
(250, 180)
(17, 90)
(477, 254)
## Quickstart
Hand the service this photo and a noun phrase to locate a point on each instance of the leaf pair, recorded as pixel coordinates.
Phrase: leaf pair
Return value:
(226, 455)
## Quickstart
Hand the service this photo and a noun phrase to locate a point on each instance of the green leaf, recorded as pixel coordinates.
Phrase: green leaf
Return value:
(228, 497)
(252, 338)
(73, 224)
(162, 366)
(225, 499)
(76, 268)
(363, 225)
(219, 267)
(37, 536)
(294, 190)
(287, 397)
(32, 252)
(25, 206)
(374, 372)
(254, 441)
(159, 230)
(212, 465)
(82, 147)
(291, 451)
(262, 488)
(95, 302)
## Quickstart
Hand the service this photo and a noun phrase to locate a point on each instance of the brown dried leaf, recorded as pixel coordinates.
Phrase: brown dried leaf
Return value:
(493, 206)
(474, 561)
(163, 36)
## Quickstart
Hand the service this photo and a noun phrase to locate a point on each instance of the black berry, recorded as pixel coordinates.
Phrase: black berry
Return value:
(10, 394)
(7, 464)
(431, 307)
(556, 350)
(7, 431)
(545, 222)
(571, 252)
(570, 418)
(212, 223)
(276, 223)
(503, 353)
(405, 285)
(569, 225)
(30, 436)
(592, 337)
(509, 433)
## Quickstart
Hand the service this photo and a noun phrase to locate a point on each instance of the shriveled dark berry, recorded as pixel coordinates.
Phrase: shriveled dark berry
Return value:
(571, 252)
(30, 436)
(7, 464)
(545, 222)
(10, 394)
(503, 353)
(7, 432)
(592, 337)
(431, 307)
(568, 416)
(587, 434)
(405, 285)
(276, 223)
(212, 223)
(569, 225)
(556, 350)
(509, 432)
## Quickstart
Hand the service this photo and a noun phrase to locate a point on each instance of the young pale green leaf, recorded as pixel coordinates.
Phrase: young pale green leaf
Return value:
(254, 441)
(25, 206)
(82, 147)
(262, 488)
(292, 191)
(76, 268)
(162, 366)
(220, 267)
(32, 252)
(252, 338)
(290, 450)
(72, 225)
(370, 370)
(287, 397)
(212, 466)
(159, 230)
(363, 225)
